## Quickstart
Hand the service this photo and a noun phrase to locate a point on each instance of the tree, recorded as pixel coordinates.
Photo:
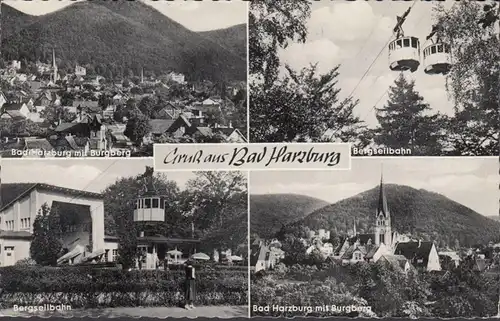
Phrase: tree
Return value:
(474, 79)
(137, 128)
(404, 124)
(53, 114)
(46, 246)
(218, 200)
(147, 106)
(272, 26)
(303, 106)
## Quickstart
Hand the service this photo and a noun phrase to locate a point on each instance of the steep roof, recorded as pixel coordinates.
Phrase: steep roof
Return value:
(415, 252)
(13, 106)
(397, 261)
(38, 143)
(160, 126)
(12, 192)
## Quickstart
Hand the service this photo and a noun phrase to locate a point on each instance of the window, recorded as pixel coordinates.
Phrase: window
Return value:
(156, 202)
(162, 205)
(399, 44)
(406, 42)
(357, 256)
(114, 255)
(440, 48)
(433, 49)
(414, 42)
(446, 48)
(147, 203)
(136, 204)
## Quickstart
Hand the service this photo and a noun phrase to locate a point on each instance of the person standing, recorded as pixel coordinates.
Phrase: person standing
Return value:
(190, 285)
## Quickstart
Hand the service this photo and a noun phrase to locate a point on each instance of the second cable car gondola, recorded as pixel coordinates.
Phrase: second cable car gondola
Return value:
(404, 52)
(437, 56)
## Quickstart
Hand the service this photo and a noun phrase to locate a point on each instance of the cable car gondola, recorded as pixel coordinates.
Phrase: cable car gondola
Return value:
(437, 56)
(404, 52)
(149, 207)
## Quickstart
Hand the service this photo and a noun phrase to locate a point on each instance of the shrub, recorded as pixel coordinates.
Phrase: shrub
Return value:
(90, 287)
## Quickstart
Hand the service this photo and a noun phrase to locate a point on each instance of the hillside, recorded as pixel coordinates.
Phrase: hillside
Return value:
(425, 214)
(268, 213)
(122, 37)
(495, 218)
(233, 38)
(14, 20)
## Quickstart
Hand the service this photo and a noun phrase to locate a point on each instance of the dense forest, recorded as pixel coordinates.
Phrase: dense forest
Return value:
(118, 39)
(424, 214)
(270, 212)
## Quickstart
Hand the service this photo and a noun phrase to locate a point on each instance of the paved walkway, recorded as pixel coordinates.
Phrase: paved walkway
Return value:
(155, 312)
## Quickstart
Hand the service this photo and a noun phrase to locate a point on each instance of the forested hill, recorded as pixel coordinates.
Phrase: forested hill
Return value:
(425, 214)
(118, 37)
(233, 38)
(270, 212)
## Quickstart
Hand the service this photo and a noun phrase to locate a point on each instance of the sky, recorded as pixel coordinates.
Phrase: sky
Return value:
(352, 33)
(83, 174)
(470, 181)
(194, 15)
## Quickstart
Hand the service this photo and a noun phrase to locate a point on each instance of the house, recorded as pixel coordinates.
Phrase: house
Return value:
(3, 100)
(45, 99)
(422, 255)
(233, 135)
(396, 262)
(176, 128)
(170, 111)
(177, 77)
(72, 146)
(37, 147)
(80, 71)
(260, 257)
(118, 138)
(34, 85)
(21, 203)
(89, 106)
(452, 255)
(15, 111)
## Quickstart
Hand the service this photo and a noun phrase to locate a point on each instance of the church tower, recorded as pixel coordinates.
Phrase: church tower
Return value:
(383, 232)
(54, 66)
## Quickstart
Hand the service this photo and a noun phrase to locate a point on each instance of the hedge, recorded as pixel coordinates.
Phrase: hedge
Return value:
(88, 287)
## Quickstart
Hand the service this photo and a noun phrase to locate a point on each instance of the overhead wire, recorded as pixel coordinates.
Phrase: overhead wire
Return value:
(369, 68)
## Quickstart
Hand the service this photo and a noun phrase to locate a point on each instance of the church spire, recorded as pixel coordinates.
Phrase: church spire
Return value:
(54, 65)
(382, 207)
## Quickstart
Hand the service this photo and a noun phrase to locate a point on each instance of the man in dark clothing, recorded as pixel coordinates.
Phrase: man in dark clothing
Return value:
(190, 285)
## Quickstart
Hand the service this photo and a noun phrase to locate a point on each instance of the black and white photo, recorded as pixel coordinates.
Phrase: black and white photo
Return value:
(393, 237)
(110, 78)
(112, 237)
(394, 78)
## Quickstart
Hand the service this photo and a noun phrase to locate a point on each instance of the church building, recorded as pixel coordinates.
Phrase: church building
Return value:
(385, 242)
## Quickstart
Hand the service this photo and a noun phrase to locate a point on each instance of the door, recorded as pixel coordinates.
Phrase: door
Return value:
(9, 254)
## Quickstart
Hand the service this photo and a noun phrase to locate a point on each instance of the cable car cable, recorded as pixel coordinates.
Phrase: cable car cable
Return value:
(371, 65)
(373, 62)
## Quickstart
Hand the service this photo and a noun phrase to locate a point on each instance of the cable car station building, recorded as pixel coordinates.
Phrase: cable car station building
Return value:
(82, 220)
(82, 223)
(157, 249)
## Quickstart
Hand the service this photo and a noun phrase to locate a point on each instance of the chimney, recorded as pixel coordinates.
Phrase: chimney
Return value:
(230, 124)
(419, 243)
(141, 234)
